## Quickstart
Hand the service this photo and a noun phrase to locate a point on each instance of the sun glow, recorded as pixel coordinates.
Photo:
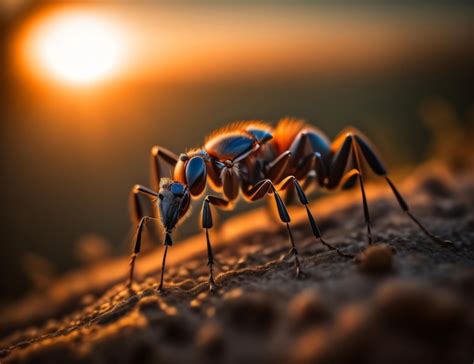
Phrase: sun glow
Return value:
(78, 48)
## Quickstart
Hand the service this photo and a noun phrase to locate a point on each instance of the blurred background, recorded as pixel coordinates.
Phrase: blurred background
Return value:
(88, 87)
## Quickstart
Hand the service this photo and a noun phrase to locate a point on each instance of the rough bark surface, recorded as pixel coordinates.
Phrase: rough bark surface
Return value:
(405, 299)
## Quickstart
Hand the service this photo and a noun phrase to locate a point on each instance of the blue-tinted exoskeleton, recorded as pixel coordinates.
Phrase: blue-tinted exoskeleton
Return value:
(254, 160)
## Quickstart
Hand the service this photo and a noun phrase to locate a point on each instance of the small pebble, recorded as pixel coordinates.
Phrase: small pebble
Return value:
(376, 259)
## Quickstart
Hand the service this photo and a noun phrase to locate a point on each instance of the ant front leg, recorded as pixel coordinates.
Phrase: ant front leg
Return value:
(168, 242)
(207, 224)
(137, 213)
(142, 205)
(314, 227)
(137, 246)
(142, 202)
(156, 168)
(260, 190)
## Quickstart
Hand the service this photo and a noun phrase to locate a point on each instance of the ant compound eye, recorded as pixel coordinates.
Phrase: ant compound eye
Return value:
(160, 196)
(177, 189)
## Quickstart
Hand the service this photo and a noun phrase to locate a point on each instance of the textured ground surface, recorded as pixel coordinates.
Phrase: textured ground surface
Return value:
(405, 300)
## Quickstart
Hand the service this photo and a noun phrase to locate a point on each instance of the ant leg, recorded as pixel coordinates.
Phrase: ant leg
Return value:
(157, 169)
(405, 208)
(142, 203)
(318, 174)
(346, 154)
(341, 150)
(141, 209)
(277, 170)
(348, 180)
(308, 148)
(309, 181)
(261, 189)
(163, 263)
(137, 246)
(207, 224)
(320, 168)
(168, 242)
(358, 164)
(306, 165)
(278, 166)
(314, 227)
(372, 157)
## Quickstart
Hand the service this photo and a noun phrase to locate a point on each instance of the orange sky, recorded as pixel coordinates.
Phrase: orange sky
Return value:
(169, 43)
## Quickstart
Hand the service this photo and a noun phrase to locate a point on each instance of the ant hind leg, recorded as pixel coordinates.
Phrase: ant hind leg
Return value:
(347, 156)
(371, 156)
(405, 208)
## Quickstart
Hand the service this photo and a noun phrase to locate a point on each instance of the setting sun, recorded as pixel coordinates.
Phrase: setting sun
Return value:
(78, 48)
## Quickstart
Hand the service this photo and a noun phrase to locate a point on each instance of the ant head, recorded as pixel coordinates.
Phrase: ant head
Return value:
(174, 199)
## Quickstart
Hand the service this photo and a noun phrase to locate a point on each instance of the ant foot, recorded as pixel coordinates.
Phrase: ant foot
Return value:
(300, 274)
(339, 251)
(130, 289)
(345, 255)
(212, 286)
(447, 243)
(287, 256)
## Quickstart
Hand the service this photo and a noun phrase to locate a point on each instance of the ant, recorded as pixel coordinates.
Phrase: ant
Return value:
(254, 159)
